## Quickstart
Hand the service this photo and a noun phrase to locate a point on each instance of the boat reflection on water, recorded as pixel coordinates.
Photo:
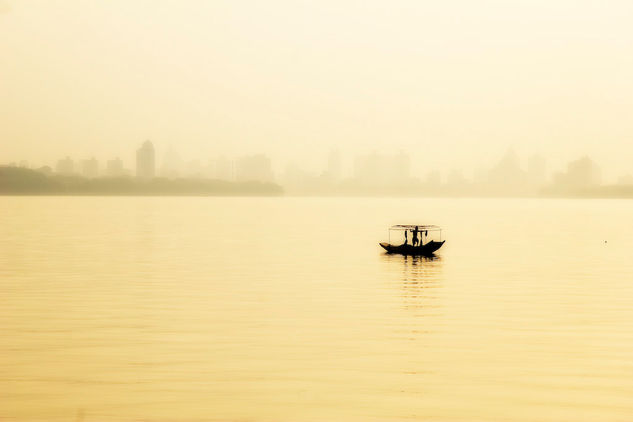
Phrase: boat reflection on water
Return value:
(418, 289)
(419, 277)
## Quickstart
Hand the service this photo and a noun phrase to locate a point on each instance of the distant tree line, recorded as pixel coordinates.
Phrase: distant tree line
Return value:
(23, 181)
(604, 191)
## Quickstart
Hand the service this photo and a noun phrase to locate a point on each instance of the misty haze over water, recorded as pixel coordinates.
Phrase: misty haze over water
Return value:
(195, 196)
(451, 84)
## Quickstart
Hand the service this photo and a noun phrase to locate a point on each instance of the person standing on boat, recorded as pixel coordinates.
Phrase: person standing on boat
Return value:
(415, 236)
(406, 237)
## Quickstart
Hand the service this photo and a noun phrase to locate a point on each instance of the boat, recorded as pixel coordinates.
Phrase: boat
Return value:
(407, 248)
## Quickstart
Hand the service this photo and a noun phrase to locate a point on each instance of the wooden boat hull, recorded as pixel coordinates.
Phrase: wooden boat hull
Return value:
(427, 249)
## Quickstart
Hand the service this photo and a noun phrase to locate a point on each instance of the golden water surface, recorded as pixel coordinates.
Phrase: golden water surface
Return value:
(286, 309)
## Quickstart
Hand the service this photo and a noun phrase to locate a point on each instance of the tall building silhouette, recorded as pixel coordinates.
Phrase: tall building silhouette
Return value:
(507, 176)
(65, 166)
(146, 161)
(253, 168)
(581, 173)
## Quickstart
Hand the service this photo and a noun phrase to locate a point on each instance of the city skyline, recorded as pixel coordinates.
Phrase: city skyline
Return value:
(369, 172)
(166, 155)
(316, 210)
(453, 83)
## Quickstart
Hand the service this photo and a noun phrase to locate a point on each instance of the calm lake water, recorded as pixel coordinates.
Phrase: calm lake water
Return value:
(286, 309)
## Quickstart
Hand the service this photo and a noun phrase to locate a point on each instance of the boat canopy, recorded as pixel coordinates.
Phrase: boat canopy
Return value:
(421, 227)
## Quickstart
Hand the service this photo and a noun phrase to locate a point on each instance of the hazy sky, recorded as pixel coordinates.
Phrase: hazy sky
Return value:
(454, 82)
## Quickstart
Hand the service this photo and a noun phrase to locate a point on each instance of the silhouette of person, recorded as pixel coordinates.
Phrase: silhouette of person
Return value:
(406, 237)
(415, 236)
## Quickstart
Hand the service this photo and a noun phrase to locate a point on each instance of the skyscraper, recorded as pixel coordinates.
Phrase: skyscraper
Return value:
(65, 166)
(253, 168)
(145, 161)
(581, 173)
